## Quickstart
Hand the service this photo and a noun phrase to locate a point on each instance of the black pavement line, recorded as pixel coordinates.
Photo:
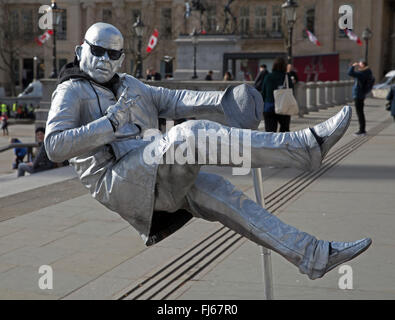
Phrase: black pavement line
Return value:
(204, 254)
(28, 201)
(221, 253)
(172, 263)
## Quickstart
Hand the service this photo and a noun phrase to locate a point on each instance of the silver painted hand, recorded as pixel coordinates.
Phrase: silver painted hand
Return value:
(119, 113)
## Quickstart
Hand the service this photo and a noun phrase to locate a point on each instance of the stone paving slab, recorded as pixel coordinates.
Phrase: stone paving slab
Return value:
(10, 185)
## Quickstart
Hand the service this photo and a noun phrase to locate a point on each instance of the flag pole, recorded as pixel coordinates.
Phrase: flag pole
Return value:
(265, 253)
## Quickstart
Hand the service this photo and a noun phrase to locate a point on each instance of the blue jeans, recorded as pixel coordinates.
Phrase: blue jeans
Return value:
(23, 167)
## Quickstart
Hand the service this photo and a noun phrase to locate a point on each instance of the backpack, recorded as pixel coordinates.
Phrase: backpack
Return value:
(368, 85)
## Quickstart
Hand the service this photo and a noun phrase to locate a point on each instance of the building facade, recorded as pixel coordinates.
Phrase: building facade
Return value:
(258, 27)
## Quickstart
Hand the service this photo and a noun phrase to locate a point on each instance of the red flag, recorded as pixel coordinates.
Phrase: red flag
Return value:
(352, 36)
(313, 38)
(153, 40)
(44, 37)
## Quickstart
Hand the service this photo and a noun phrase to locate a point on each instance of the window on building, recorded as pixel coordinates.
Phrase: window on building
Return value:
(61, 29)
(135, 13)
(211, 18)
(165, 22)
(166, 68)
(14, 23)
(132, 67)
(244, 20)
(27, 23)
(27, 72)
(310, 21)
(15, 68)
(260, 20)
(276, 21)
(107, 15)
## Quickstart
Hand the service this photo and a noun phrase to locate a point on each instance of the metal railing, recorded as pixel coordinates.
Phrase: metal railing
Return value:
(29, 147)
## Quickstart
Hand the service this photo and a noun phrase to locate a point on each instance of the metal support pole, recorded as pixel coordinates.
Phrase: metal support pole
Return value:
(194, 61)
(139, 59)
(54, 74)
(266, 254)
(367, 51)
(290, 34)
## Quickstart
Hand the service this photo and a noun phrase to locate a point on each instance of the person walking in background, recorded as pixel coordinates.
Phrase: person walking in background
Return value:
(41, 161)
(14, 110)
(228, 76)
(391, 99)
(362, 86)
(274, 81)
(3, 109)
(293, 76)
(209, 76)
(4, 123)
(261, 77)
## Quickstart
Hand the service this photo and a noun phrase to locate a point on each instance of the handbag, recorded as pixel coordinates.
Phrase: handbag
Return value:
(284, 100)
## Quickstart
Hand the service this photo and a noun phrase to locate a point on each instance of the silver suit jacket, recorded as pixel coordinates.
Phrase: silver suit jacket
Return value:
(114, 170)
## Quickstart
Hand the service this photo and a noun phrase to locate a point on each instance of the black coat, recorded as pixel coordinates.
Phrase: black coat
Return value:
(361, 78)
(259, 80)
(391, 98)
(41, 161)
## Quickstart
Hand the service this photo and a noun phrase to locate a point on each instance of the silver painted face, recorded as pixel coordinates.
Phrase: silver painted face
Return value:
(101, 69)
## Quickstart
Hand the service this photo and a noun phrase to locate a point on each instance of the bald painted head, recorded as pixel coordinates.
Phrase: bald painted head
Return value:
(101, 65)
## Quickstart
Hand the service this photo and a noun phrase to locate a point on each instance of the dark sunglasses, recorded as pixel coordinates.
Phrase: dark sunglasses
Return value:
(100, 51)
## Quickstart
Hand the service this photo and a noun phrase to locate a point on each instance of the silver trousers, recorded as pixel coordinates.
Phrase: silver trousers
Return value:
(213, 198)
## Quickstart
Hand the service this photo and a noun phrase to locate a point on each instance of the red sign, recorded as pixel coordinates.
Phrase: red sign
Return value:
(317, 68)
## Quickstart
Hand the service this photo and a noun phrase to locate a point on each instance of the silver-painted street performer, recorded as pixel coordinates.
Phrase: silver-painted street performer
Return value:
(98, 118)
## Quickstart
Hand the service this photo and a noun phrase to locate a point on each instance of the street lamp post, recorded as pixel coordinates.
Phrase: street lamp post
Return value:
(194, 36)
(56, 15)
(35, 68)
(289, 9)
(138, 28)
(367, 35)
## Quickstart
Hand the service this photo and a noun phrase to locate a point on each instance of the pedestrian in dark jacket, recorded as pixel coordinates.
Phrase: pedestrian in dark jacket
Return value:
(41, 161)
(391, 99)
(292, 74)
(274, 81)
(261, 77)
(209, 76)
(359, 92)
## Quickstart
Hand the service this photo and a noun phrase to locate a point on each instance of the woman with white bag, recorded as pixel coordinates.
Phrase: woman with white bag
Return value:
(279, 103)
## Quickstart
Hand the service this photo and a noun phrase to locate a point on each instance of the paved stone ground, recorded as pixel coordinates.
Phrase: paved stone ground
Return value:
(96, 255)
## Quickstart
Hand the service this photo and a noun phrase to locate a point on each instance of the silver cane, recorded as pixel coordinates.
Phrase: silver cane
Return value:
(265, 253)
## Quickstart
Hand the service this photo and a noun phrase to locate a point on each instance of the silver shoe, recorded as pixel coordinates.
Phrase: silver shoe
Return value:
(341, 252)
(329, 132)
